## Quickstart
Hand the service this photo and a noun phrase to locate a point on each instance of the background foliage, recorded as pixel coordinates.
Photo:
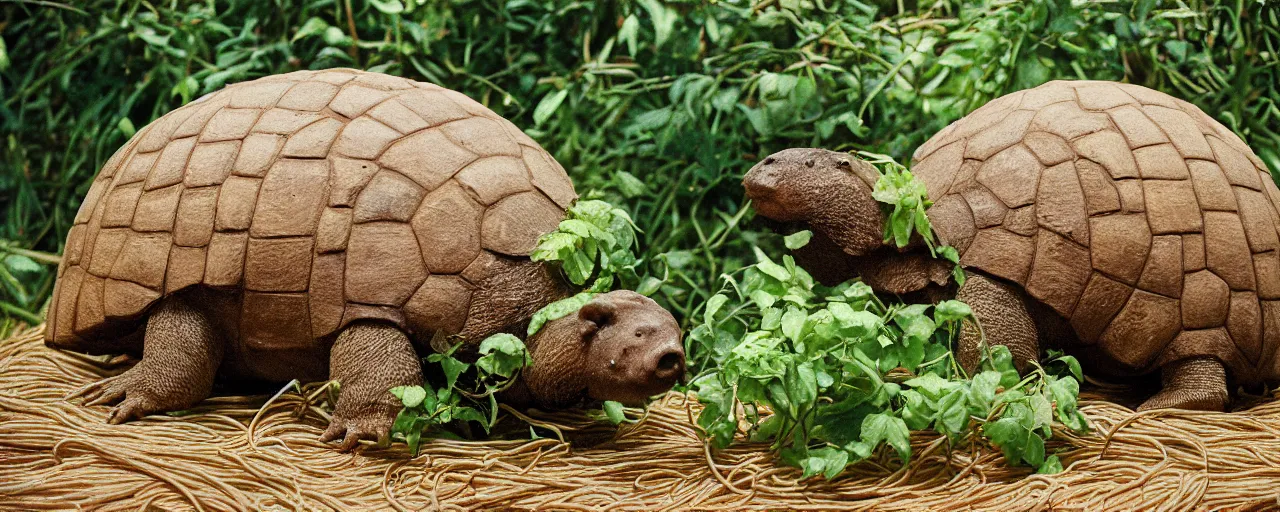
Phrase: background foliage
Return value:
(659, 107)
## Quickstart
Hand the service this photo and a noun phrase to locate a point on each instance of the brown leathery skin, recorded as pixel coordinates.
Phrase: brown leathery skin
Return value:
(620, 346)
(1131, 216)
(312, 225)
(829, 190)
(368, 359)
(180, 359)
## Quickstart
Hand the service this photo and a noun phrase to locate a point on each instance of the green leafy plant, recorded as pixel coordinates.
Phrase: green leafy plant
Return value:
(827, 375)
(593, 246)
(427, 409)
(594, 240)
(906, 200)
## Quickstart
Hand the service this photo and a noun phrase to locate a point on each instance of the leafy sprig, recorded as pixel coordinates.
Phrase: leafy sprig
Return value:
(828, 375)
(906, 200)
(594, 240)
(473, 399)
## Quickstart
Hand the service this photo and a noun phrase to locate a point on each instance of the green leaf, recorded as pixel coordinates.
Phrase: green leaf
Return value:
(126, 127)
(793, 323)
(798, 239)
(713, 306)
(452, 368)
(1051, 466)
(556, 310)
(613, 410)
(502, 354)
(549, 104)
(410, 396)
(388, 6)
(951, 310)
(313, 26)
(892, 430)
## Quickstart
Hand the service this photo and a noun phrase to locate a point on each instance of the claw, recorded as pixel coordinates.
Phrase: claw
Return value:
(131, 408)
(352, 431)
(336, 429)
(108, 396)
(349, 443)
(91, 390)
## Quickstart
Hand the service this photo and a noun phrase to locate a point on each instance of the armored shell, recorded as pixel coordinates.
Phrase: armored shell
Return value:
(326, 196)
(1141, 220)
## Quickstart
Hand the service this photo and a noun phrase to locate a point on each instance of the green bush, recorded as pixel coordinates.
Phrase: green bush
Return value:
(655, 106)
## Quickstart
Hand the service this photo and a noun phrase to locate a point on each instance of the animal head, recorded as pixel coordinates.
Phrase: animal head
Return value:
(828, 191)
(620, 346)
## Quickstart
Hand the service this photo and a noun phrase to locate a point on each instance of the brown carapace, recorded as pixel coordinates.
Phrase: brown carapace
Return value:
(309, 225)
(1112, 220)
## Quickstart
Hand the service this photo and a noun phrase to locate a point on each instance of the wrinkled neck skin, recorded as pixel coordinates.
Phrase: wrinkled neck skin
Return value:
(555, 380)
(838, 252)
(844, 212)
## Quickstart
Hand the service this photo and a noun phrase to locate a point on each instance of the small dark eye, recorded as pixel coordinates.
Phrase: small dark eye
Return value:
(843, 163)
(639, 334)
(768, 161)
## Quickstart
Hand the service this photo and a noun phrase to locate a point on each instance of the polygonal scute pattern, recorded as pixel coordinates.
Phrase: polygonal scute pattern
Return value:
(482, 136)
(513, 225)
(1213, 191)
(326, 197)
(384, 264)
(1162, 273)
(1244, 323)
(1059, 273)
(1101, 95)
(1060, 203)
(427, 157)
(1119, 245)
(1109, 149)
(1144, 326)
(1007, 132)
(548, 176)
(1001, 253)
(1012, 175)
(364, 138)
(493, 178)
(1182, 131)
(1068, 120)
(1227, 251)
(388, 196)
(440, 305)
(938, 169)
(447, 225)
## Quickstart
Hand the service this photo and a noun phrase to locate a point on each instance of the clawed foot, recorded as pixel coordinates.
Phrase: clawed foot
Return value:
(126, 391)
(352, 427)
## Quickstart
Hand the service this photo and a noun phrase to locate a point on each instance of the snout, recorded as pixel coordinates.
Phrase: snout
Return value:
(761, 182)
(654, 373)
(668, 366)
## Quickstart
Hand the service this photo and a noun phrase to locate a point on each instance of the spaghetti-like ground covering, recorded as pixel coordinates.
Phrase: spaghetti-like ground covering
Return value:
(232, 453)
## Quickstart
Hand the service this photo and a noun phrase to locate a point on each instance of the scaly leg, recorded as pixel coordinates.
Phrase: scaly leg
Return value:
(367, 360)
(1195, 383)
(180, 357)
(1002, 311)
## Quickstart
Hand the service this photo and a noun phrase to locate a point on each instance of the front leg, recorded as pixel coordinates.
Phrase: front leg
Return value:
(180, 357)
(1002, 310)
(367, 360)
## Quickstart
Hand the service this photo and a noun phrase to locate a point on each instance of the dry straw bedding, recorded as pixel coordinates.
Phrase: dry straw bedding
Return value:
(235, 454)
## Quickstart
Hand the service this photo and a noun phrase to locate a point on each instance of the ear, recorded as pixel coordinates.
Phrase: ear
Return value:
(596, 314)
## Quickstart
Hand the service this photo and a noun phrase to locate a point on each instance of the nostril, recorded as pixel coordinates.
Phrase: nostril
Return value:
(670, 365)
